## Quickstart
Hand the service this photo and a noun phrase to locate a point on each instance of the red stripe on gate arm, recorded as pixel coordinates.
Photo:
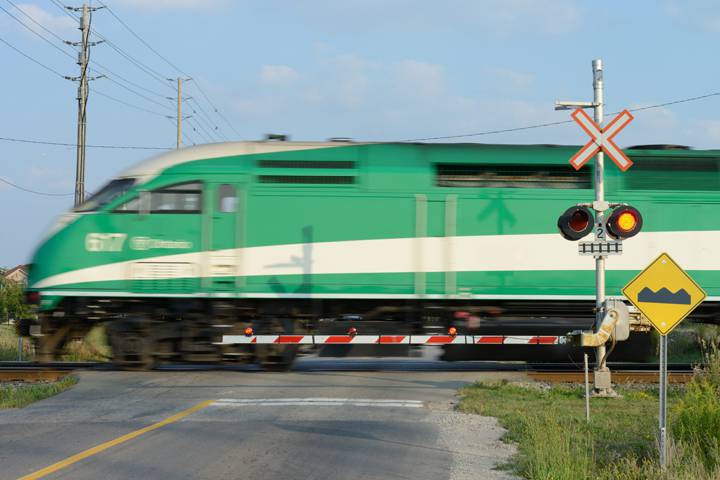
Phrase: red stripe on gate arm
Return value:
(288, 339)
(546, 340)
(493, 340)
(441, 339)
(391, 338)
(339, 339)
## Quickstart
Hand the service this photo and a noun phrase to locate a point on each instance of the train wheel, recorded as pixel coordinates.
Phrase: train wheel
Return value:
(277, 358)
(132, 346)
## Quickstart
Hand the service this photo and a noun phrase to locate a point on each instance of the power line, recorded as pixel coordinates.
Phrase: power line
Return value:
(127, 27)
(63, 144)
(36, 192)
(550, 124)
(202, 127)
(215, 109)
(171, 64)
(64, 52)
(208, 120)
(50, 69)
(35, 21)
(200, 133)
(128, 104)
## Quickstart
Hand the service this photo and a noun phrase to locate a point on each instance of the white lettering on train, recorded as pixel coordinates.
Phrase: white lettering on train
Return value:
(105, 242)
(147, 243)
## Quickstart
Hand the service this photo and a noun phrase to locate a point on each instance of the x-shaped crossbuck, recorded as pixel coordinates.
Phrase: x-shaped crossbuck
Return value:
(601, 138)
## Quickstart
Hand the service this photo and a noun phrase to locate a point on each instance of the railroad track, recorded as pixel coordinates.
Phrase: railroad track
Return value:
(546, 372)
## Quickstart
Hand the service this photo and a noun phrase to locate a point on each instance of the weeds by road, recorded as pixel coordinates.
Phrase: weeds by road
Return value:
(93, 347)
(17, 395)
(555, 442)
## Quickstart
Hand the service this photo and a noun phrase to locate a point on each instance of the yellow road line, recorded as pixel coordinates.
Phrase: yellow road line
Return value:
(104, 446)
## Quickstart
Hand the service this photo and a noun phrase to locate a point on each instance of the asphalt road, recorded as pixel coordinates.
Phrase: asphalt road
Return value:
(307, 424)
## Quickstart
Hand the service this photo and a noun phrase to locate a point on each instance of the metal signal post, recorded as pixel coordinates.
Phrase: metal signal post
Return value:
(602, 381)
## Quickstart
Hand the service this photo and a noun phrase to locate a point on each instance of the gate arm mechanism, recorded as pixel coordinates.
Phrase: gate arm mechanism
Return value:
(615, 323)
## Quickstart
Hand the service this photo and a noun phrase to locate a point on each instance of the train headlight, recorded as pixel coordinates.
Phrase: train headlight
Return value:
(575, 223)
(624, 222)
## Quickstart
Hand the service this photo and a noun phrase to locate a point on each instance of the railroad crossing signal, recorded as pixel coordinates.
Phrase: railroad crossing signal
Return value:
(664, 293)
(577, 222)
(601, 138)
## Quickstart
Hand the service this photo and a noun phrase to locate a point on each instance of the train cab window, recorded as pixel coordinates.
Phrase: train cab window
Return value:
(107, 194)
(227, 198)
(178, 198)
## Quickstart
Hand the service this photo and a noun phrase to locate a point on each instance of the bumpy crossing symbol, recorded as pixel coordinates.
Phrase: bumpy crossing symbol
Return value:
(601, 138)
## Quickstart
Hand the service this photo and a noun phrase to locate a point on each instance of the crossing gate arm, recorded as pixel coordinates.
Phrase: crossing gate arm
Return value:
(392, 340)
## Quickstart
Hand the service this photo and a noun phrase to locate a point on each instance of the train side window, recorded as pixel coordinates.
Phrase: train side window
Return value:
(487, 175)
(227, 198)
(178, 198)
(131, 206)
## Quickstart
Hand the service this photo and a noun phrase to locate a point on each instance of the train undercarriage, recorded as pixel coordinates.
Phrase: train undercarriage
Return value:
(143, 334)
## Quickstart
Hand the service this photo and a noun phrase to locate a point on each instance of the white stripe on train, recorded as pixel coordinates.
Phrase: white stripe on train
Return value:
(481, 253)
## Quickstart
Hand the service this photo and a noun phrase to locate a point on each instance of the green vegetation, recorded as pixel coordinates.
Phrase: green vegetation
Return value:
(12, 302)
(9, 344)
(18, 396)
(555, 442)
(93, 347)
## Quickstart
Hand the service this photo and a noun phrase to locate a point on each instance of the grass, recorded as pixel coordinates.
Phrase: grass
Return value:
(9, 344)
(620, 442)
(18, 396)
(94, 347)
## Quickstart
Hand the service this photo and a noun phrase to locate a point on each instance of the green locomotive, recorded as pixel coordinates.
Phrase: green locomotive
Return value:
(290, 236)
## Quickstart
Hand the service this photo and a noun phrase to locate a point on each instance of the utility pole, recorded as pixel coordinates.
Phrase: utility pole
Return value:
(180, 99)
(82, 96)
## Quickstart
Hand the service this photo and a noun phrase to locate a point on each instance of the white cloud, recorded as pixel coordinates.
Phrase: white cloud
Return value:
(419, 78)
(59, 24)
(278, 75)
(163, 5)
(486, 18)
(695, 14)
(409, 98)
(711, 130)
(504, 77)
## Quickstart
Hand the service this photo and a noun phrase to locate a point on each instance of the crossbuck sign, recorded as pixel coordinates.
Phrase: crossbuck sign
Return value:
(601, 138)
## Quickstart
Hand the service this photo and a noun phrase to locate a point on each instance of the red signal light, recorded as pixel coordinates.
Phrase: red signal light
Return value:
(32, 298)
(352, 331)
(452, 331)
(575, 223)
(624, 222)
(249, 332)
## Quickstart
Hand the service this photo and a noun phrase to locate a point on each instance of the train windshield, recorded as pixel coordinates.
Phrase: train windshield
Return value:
(107, 194)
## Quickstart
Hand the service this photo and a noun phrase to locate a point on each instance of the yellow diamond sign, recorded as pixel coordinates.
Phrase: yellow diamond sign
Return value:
(664, 293)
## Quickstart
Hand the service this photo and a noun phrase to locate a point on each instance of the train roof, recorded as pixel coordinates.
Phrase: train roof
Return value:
(155, 165)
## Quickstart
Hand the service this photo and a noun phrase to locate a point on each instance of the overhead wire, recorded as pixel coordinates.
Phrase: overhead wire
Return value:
(109, 77)
(65, 144)
(172, 65)
(202, 113)
(36, 192)
(50, 69)
(185, 137)
(194, 125)
(205, 130)
(128, 104)
(562, 122)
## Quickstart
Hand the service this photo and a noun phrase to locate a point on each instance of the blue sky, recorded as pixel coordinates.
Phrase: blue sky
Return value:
(366, 69)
